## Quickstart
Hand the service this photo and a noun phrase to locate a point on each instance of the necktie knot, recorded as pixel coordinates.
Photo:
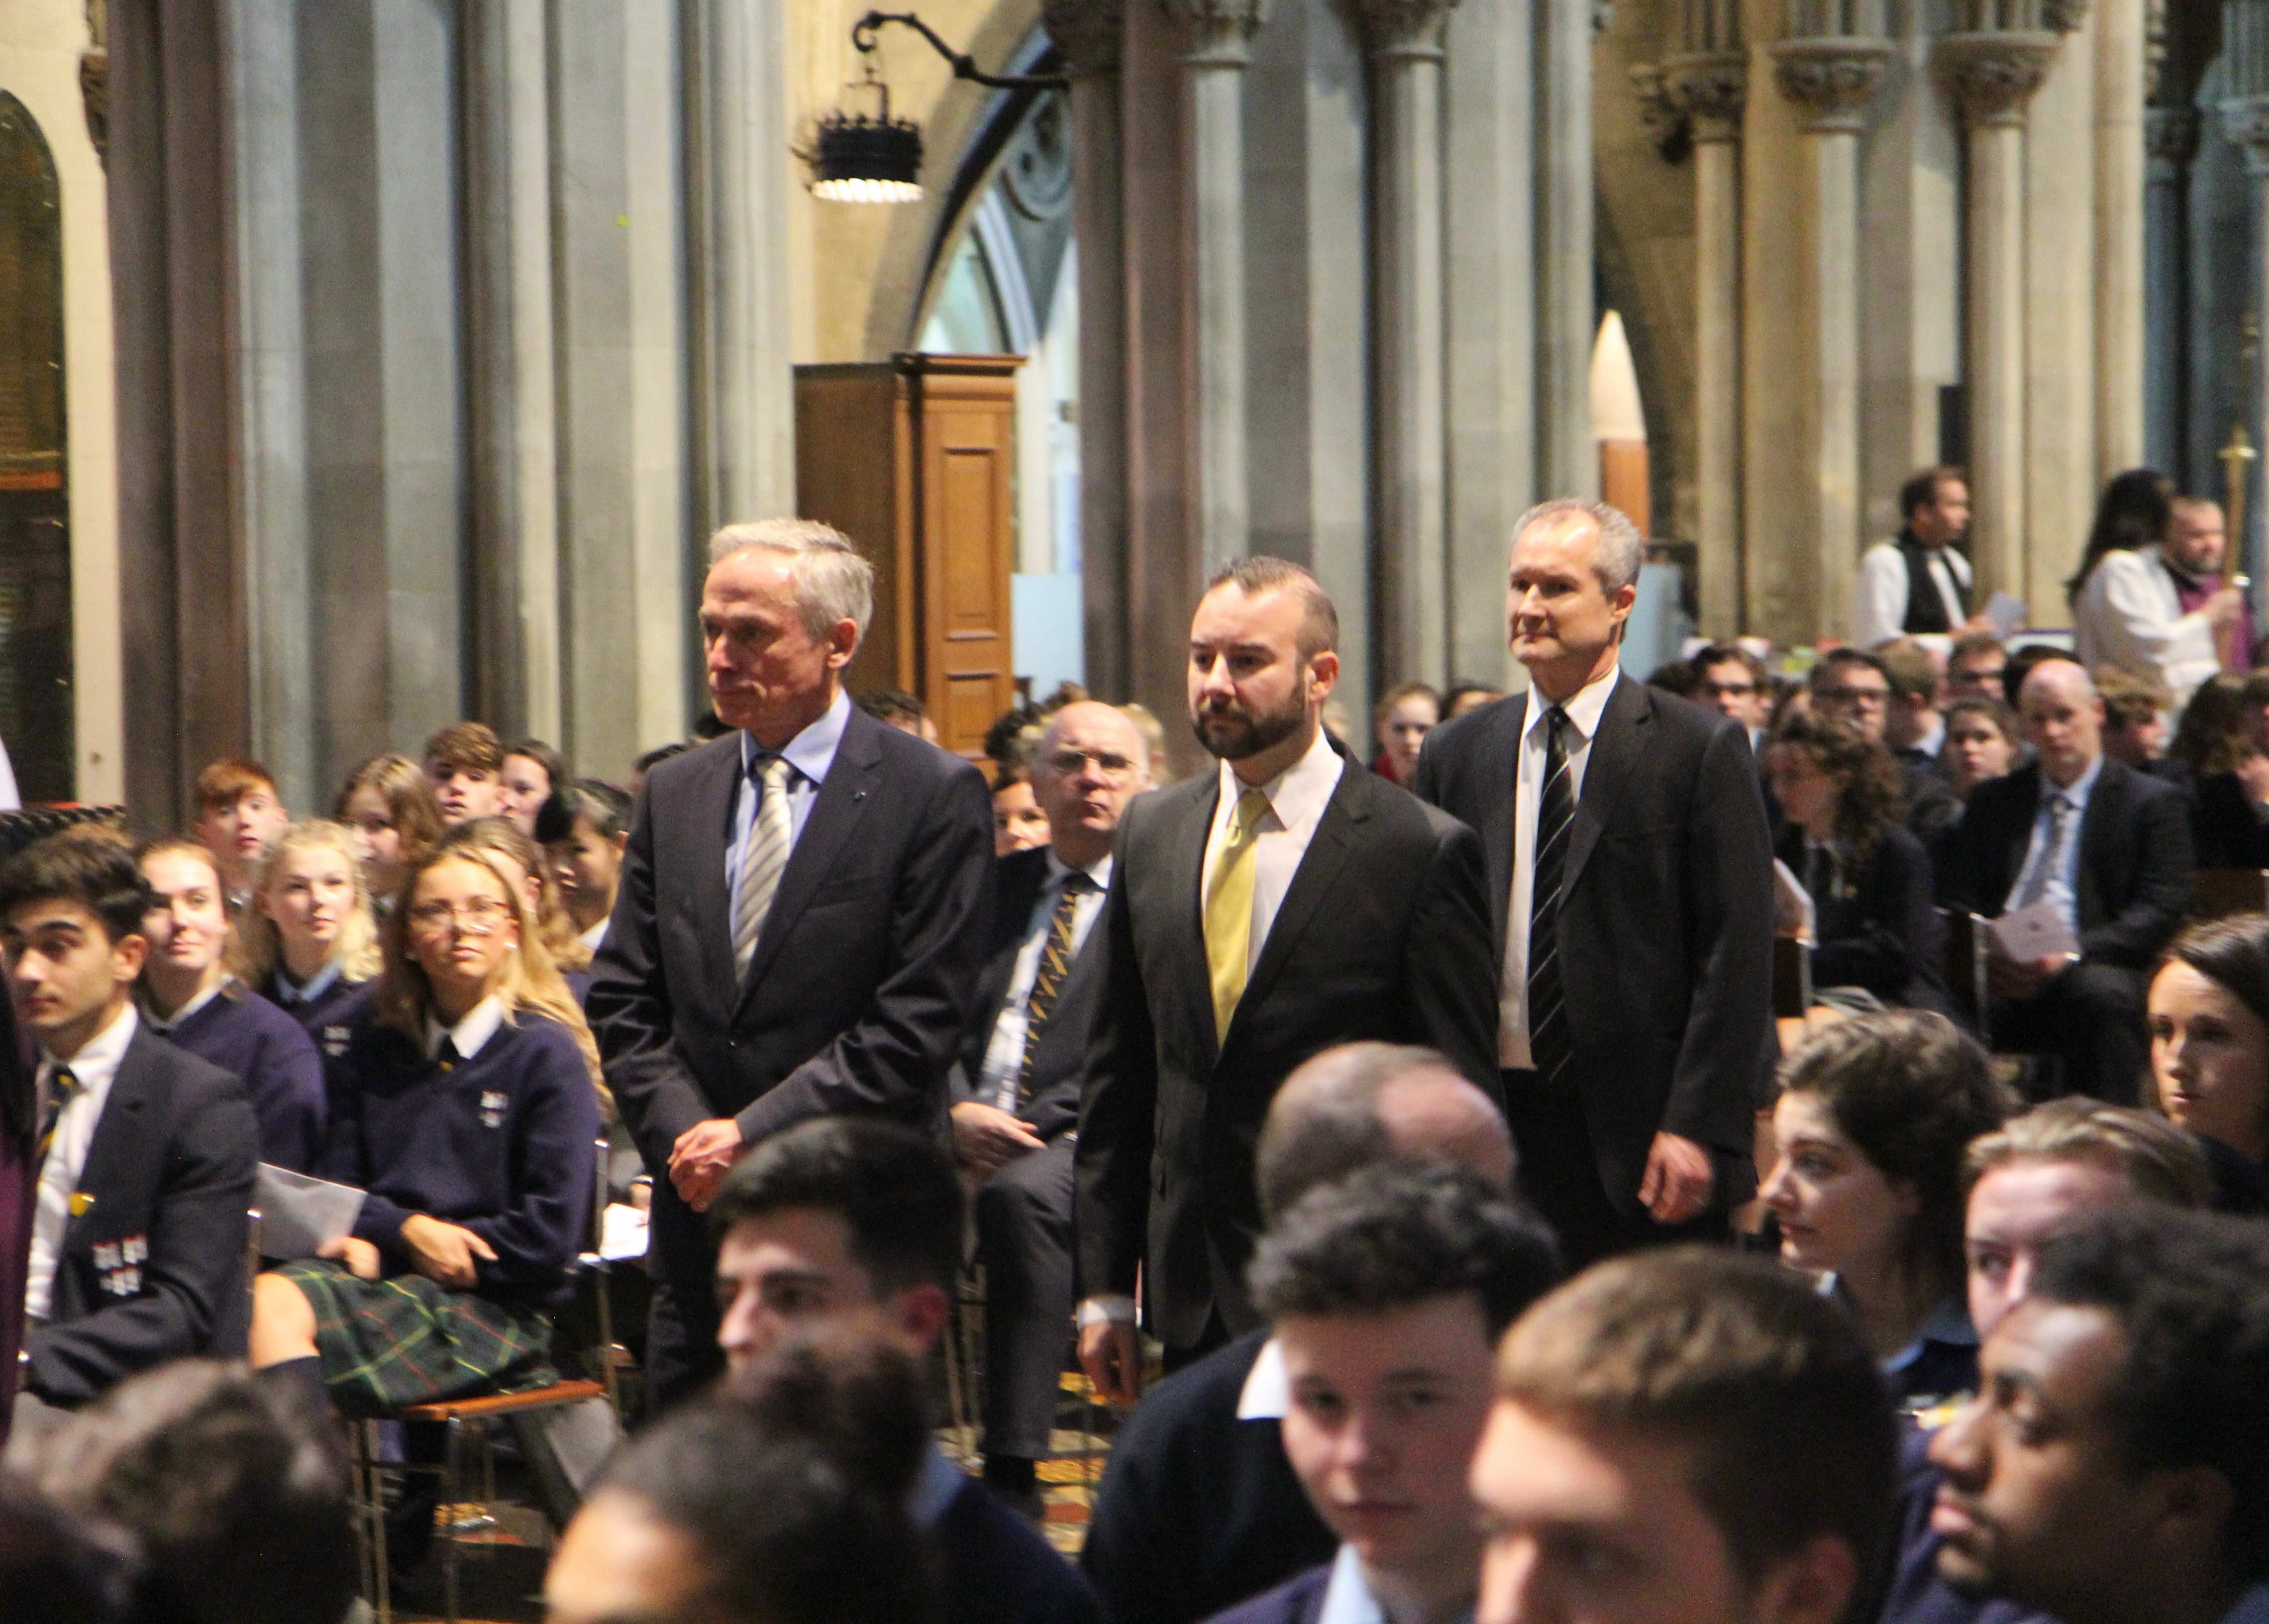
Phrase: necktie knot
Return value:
(64, 1083)
(770, 771)
(1251, 807)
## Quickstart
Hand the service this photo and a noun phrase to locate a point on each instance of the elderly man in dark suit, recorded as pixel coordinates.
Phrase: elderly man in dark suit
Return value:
(2108, 850)
(1258, 914)
(1630, 886)
(803, 910)
(1016, 1090)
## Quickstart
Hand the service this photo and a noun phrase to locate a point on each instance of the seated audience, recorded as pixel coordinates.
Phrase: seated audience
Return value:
(2114, 1467)
(1848, 686)
(1981, 742)
(532, 773)
(192, 999)
(1401, 723)
(464, 768)
(391, 809)
(1873, 1115)
(1467, 695)
(584, 859)
(467, 1107)
(2135, 711)
(230, 1492)
(1016, 1109)
(147, 1154)
(854, 1224)
(500, 838)
(2107, 849)
(1018, 824)
(56, 1568)
(2126, 600)
(309, 942)
(1198, 1507)
(1735, 684)
(2209, 1022)
(2021, 663)
(1676, 676)
(1914, 728)
(1683, 1435)
(1387, 1292)
(897, 708)
(238, 812)
(1875, 930)
(2230, 807)
(2209, 730)
(1974, 667)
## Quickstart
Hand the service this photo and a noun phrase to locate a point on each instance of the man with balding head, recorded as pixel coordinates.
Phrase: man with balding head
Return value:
(1016, 1088)
(1198, 1508)
(2106, 850)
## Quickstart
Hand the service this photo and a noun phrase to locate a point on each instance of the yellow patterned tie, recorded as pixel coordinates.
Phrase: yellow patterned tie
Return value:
(1229, 910)
(62, 1084)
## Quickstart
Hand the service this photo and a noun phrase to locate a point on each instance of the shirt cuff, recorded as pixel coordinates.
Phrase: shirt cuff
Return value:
(1110, 1309)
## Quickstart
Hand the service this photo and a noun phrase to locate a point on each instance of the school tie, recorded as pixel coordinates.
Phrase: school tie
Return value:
(1047, 980)
(63, 1084)
(1549, 1044)
(761, 865)
(2051, 860)
(1229, 910)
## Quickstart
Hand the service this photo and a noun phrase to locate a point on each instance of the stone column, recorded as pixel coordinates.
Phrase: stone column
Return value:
(1217, 43)
(1405, 39)
(1710, 87)
(2170, 140)
(1992, 74)
(1089, 33)
(2245, 120)
(1567, 458)
(1831, 78)
(2118, 235)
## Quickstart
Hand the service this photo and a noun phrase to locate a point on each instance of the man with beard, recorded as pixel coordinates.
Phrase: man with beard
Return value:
(1257, 914)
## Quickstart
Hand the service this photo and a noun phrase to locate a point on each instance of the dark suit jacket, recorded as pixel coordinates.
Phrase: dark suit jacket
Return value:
(170, 1168)
(18, 1119)
(2134, 860)
(1058, 1063)
(1666, 919)
(995, 1568)
(1297, 1601)
(1884, 933)
(1383, 935)
(2224, 829)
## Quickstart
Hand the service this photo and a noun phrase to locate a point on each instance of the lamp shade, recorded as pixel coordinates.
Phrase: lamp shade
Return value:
(867, 159)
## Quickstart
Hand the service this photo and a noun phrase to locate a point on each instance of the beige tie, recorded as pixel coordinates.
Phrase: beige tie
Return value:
(1229, 910)
(761, 863)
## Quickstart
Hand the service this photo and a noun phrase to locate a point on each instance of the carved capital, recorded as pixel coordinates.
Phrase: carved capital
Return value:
(1710, 89)
(2064, 16)
(1831, 78)
(2245, 120)
(1218, 32)
(1992, 76)
(1088, 33)
(1402, 28)
(1669, 131)
(2170, 134)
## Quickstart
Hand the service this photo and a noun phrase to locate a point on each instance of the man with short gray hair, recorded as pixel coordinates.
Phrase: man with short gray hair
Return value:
(1630, 885)
(803, 910)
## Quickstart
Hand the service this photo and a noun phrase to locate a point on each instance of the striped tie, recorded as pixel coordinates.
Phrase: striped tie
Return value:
(1047, 980)
(63, 1083)
(1549, 1044)
(761, 863)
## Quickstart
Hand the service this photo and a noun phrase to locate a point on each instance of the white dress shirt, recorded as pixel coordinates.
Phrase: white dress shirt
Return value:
(1296, 799)
(96, 1067)
(2129, 616)
(810, 754)
(593, 937)
(2062, 888)
(290, 992)
(479, 1025)
(1878, 601)
(164, 1025)
(1584, 710)
(1004, 1055)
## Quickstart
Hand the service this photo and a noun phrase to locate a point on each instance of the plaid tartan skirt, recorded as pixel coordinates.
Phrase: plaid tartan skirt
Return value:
(387, 1344)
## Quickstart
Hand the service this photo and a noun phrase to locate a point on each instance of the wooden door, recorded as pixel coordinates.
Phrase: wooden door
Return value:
(964, 414)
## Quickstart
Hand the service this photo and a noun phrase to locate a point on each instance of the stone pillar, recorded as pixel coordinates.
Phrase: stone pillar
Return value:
(1992, 74)
(1217, 43)
(735, 184)
(1088, 33)
(1831, 78)
(1710, 87)
(1567, 459)
(2245, 120)
(2170, 140)
(2119, 71)
(1405, 37)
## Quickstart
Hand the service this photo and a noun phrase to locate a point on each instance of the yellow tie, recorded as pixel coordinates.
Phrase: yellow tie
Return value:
(1229, 910)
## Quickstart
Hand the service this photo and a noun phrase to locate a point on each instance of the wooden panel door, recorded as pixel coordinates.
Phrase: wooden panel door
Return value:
(964, 412)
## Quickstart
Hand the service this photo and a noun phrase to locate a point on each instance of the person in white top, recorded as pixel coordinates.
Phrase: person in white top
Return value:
(2127, 608)
(1918, 580)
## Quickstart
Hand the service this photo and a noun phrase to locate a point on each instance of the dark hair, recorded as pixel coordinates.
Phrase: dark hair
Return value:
(862, 1398)
(554, 765)
(2004, 720)
(1008, 774)
(1910, 1090)
(2233, 953)
(1682, 677)
(54, 1570)
(1465, 688)
(1320, 620)
(2134, 513)
(1396, 1234)
(892, 704)
(467, 744)
(1873, 796)
(1763, 1382)
(709, 725)
(1840, 659)
(233, 1488)
(1004, 739)
(94, 869)
(605, 807)
(2024, 661)
(1722, 654)
(1909, 669)
(1921, 489)
(659, 753)
(896, 1192)
(1974, 643)
(400, 783)
(2191, 1292)
(2212, 727)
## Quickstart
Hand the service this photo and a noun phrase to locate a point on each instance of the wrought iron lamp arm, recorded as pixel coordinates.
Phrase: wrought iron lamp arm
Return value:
(964, 66)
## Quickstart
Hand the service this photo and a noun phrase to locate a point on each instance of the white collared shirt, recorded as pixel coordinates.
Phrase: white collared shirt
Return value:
(2062, 890)
(1266, 1394)
(1348, 1598)
(164, 1025)
(479, 1025)
(307, 991)
(596, 934)
(1585, 709)
(96, 1067)
(1004, 1054)
(2131, 616)
(1878, 601)
(810, 753)
(1296, 799)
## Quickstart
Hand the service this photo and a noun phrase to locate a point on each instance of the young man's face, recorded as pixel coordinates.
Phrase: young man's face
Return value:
(68, 974)
(238, 834)
(464, 792)
(1385, 1411)
(2016, 1207)
(792, 1271)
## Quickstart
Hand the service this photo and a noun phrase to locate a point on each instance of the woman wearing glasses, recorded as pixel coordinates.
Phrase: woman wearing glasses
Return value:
(467, 1107)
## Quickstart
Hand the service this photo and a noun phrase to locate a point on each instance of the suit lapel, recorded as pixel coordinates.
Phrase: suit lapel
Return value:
(710, 804)
(1180, 846)
(119, 1135)
(1312, 881)
(2106, 802)
(2021, 833)
(1500, 765)
(1620, 743)
(835, 813)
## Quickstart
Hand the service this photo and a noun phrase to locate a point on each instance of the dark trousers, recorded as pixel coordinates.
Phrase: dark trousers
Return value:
(1560, 1175)
(1023, 1240)
(2091, 1018)
(682, 1356)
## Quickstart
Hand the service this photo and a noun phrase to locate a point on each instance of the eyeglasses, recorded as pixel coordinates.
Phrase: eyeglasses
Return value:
(1877, 696)
(483, 916)
(1729, 690)
(1063, 763)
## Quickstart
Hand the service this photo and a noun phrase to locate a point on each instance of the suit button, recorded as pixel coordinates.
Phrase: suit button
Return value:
(732, 1042)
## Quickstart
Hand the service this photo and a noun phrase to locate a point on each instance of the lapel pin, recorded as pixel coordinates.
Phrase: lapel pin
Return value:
(858, 796)
(81, 1203)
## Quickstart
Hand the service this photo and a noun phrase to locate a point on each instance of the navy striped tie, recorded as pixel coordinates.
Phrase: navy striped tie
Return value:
(1549, 1044)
